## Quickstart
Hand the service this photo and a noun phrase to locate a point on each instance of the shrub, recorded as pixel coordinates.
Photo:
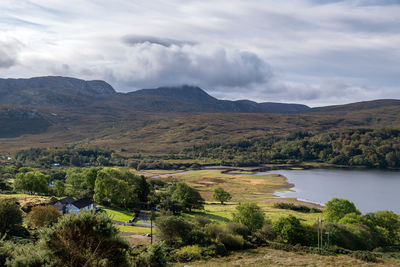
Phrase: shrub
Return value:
(188, 253)
(197, 236)
(290, 230)
(11, 217)
(213, 230)
(216, 249)
(299, 208)
(173, 230)
(365, 256)
(42, 216)
(250, 215)
(201, 221)
(85, 239)
(337, 208)
(353, 237)
(266, 233)
(231, 242)
(154, 256)
(237, 229)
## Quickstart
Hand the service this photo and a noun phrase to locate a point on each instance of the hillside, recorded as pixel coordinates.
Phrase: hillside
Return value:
(158, 121)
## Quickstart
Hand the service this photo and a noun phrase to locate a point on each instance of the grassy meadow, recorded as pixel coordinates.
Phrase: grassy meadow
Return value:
(243, 187)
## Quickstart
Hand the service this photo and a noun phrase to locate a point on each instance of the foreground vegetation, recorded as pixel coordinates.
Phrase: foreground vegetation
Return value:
(199, 215)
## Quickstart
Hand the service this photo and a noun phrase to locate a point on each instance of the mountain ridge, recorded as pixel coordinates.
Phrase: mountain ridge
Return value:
(72, 92)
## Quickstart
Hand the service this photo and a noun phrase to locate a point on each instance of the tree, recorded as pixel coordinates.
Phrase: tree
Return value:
(336, 209)
(249, 214)
(85, 239)
(386, 222)
(290, 230)
(11, 216)
(221, 195)
(187, 196)
(111, 189)
(42, 216)
(142, 189)
(32, 182)
(173, 229)
(59, 188)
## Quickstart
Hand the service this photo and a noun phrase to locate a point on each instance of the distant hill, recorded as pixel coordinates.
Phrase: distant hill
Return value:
(359, 105)
(18, 121)
(207, 103)
(53, 111)
(52, 90)
(71, 92)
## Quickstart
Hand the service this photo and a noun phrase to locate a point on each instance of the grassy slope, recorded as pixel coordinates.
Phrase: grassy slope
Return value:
(269, 257)
(163, 133)
(118, 215)
(243, 188)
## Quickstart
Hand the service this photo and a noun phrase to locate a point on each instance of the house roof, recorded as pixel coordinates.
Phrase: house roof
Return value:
(59, 206)
(81, 203)
(67, 200)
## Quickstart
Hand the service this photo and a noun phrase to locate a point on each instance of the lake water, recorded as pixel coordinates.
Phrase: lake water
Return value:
(369, 190)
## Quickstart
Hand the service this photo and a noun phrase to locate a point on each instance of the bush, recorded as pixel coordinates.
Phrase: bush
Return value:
(173, 230)
(213, 230)
(266, 233)
(154, 256)
(42, 216)
(214, 250)
(188, 253)
(299, 208)
(11, 217)
(201, 221)
(337, 208)
(365, 256)
(85, 239)
(353, 237)
(237, 229)
(250, 215)
(231, 242)
(197, 236)
(290, 230)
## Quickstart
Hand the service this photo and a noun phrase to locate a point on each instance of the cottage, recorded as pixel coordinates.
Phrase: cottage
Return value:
(68, 204)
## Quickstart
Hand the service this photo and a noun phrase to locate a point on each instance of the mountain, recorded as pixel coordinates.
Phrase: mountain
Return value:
(359, 106)
(66, 92)
(17, 121)
(54, 111)
(206, 103)
(52, 90)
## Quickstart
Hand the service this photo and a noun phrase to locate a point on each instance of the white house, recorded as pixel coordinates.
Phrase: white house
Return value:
(68, 205)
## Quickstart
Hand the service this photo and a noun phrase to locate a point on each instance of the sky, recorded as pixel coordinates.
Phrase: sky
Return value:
(315, 52)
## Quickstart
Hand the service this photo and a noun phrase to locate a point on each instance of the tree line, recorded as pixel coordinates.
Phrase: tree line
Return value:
(379, 148)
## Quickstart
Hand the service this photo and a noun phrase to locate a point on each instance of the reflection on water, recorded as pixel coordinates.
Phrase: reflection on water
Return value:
(370, 190)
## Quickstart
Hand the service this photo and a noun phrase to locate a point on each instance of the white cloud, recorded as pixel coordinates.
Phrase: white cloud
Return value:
(9, 50)
(320, 51)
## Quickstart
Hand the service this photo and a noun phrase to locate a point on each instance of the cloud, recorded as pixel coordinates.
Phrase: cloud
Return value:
(139, 39)
(9, 50)
(150, 65)
(311, 51)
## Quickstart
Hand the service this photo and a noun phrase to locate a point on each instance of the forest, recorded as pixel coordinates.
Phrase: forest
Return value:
(353, 147)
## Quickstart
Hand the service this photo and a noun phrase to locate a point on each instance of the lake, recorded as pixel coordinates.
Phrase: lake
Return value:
(369, 190)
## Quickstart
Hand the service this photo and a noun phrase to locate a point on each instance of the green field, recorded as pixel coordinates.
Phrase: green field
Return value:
(244, 188)
(118, 215)
(134, 229)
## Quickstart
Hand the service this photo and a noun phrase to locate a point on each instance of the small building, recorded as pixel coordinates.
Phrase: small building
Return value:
(68, 205)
